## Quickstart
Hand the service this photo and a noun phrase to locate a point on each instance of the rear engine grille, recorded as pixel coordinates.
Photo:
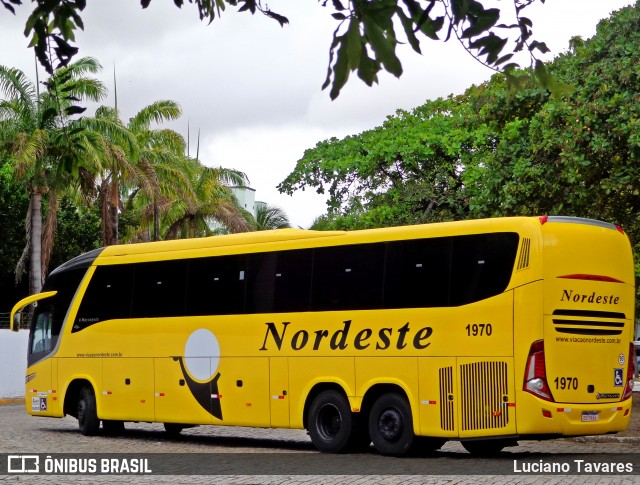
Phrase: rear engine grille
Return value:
(447, 410)
(484, 395)
(588, 322)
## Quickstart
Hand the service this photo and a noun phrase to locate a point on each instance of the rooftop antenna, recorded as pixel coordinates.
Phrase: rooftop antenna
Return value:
(198, 147)
(115, 90)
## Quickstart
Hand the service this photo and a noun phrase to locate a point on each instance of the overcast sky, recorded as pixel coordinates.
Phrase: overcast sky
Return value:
(253, 89)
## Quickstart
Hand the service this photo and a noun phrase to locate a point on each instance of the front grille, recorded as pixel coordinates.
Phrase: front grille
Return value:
(484, 395)
(588, 322)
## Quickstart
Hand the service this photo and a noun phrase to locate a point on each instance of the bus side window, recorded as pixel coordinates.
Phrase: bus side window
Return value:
(293, 281)
(159, 289)
(417, 273)
(216, 285)
(482, 265)
(107, 297)
(279, 282)
(348, 277)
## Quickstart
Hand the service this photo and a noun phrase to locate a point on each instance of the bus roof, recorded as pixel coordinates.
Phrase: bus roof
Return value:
(306, 238)
(297, 238)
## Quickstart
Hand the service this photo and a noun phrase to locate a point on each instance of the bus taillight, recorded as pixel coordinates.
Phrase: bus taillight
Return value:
(535, 376)
(628, 389)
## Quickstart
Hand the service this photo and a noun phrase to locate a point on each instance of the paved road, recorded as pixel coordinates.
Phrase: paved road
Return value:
(289, 454)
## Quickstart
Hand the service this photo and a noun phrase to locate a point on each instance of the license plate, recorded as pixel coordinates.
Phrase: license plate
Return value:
(589, 416)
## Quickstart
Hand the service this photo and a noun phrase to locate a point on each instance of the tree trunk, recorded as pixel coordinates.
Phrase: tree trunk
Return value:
(115, 203)
(156, 220)
(35, 259)
(49, 231)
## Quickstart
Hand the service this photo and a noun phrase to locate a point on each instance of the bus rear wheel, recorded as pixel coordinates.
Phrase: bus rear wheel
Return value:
(391, 425)
(332, 426)
(88, 421)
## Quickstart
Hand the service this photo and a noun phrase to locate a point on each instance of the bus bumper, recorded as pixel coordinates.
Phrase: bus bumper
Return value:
(542, 417)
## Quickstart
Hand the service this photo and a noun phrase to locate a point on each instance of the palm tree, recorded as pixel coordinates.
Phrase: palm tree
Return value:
(211, 202)
(270, 217)
(141, 168)
(47, 148)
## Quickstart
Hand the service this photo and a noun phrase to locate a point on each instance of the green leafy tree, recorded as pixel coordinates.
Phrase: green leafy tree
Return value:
(78, 231)
(48, 149)
(365, 40)
(577, 155)
(14, 202)
(408, 170)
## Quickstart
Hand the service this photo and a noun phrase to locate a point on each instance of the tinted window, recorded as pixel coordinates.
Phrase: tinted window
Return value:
(279, 282)
(159, 289)
(216, 285)
(481, 266)
(417, 273)
(107, 297)
(348, 277)
(41, 335)
(49, 315)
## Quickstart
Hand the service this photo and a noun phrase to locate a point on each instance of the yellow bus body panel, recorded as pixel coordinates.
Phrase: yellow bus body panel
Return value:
(462, 368)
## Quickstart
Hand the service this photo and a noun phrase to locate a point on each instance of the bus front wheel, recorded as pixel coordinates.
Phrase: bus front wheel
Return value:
(331, 424)
(391, 425)
(88, 421)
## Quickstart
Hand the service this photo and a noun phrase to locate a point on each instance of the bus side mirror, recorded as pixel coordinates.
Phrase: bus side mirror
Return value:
(16, 317)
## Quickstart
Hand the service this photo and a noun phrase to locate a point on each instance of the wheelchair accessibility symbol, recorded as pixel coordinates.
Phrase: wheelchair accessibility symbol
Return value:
(618, 380)
(38, 404)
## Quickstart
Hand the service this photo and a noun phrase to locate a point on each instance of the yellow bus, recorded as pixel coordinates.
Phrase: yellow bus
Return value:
(486, 331)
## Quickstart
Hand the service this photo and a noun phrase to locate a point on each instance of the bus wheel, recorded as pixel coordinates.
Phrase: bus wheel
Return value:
(112, 428)
(391, 425)
(330, 422)
(484, 447)
(88, 421)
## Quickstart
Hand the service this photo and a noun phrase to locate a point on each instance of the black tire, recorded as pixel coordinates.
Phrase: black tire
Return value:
(391, 425)
(332, 426)
(173, 429)
(88, 421)
(112, 428)
(484, 447)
